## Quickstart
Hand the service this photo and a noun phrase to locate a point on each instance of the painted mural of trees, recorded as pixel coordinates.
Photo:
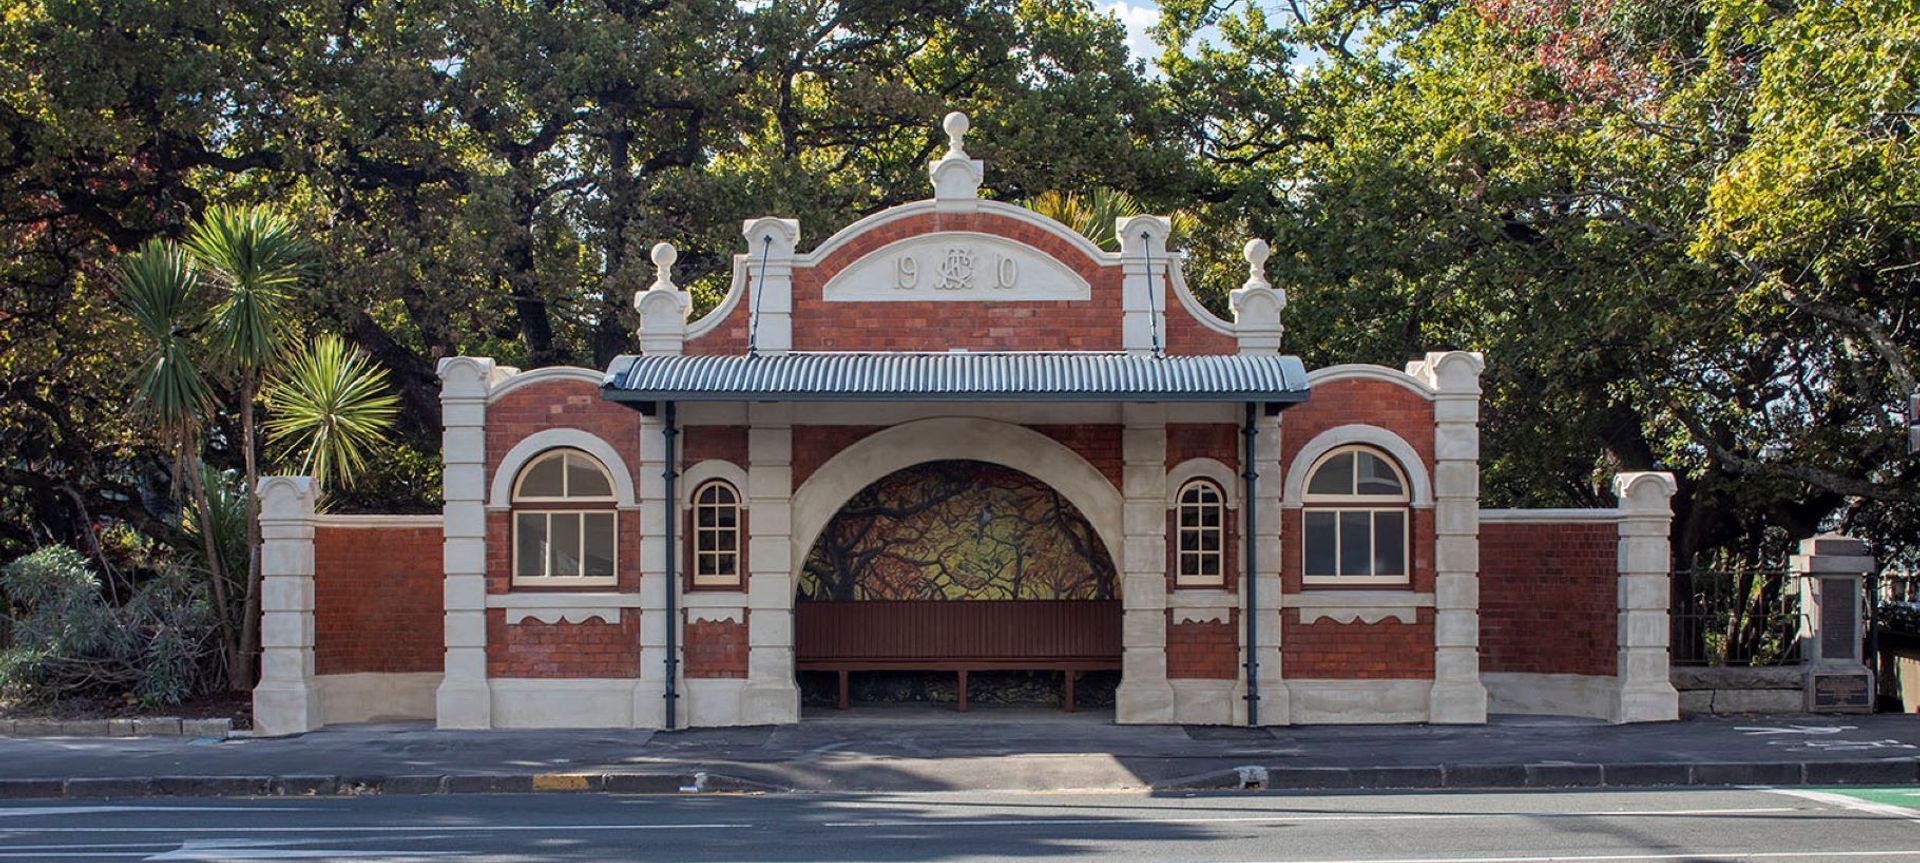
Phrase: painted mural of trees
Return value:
(957, 530)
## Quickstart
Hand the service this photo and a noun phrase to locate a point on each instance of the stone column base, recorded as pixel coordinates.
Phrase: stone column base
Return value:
(1143, 703)
(464, 705)
(1646, 701)
(281, 708)
(770, 704)
(1457, 703)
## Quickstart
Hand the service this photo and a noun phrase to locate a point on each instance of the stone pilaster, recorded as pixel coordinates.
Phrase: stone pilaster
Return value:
(287, 701)
(650, 491)
(464, 699)
(1646, 692)
(1458, 696)
(1143, 247)
(772, 694)
(1144, 695)
(769, 266)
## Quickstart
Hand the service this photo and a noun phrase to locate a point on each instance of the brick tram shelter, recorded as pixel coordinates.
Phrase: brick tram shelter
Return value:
(957, 436)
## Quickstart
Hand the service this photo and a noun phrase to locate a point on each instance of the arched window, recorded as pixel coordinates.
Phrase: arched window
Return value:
(1200, 526)
(1356, 519)
(563, 521)
(716, 535)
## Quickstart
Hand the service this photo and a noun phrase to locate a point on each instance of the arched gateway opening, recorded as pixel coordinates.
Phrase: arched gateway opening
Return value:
(956, 579)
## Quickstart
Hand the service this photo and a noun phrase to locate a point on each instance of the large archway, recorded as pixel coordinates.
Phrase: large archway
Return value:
(957, 530)
(947, 568)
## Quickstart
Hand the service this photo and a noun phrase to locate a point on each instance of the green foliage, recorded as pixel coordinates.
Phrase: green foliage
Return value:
(255, 258)
(329, 409)
(160, 290)
(70, 643)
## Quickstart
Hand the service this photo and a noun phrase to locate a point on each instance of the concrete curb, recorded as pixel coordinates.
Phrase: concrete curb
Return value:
(354, 786)
(1554, 775)
(144, 726)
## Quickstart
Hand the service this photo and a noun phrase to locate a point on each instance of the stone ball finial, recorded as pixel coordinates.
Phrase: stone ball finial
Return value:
(664, 254)
(956, 124)
(1256, 252)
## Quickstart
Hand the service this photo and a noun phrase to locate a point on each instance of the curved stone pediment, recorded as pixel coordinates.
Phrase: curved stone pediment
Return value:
(956, 266)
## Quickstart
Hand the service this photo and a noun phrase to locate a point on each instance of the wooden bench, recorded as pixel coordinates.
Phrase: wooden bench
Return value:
(1069, 636)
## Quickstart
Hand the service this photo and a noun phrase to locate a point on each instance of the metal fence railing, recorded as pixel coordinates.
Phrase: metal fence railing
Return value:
(1735, 617)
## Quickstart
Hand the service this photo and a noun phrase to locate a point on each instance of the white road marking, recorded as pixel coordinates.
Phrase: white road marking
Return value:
(1717, 856)
(253, 849)
(381, 828)
(1278, 818)
(1796, 729)
(1845, 802)
(20, 811)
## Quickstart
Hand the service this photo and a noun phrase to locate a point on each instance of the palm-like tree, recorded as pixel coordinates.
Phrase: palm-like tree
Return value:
(159, 287)
(252, 258)
(330, 406)
(212, 311)
(1094, 213)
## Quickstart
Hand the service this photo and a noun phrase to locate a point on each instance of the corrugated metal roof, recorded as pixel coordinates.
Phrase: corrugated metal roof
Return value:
(958, 376)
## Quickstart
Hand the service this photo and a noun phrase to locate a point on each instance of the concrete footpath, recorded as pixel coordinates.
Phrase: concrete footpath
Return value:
(929, 749)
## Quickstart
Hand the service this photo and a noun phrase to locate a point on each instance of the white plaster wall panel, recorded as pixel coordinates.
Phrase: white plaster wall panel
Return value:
(1205, 702)
(956, 266)
(582, 703)
(1358, 701)
(1550, 694)
(714, 703)
(375, 697)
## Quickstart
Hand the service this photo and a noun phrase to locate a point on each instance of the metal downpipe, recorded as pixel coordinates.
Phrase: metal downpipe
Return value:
(1250, 471)
(671, 472)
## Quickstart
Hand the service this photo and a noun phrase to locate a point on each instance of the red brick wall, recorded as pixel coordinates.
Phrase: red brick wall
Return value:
(1093, 324)
(561, 650)
(1205, 650)
(560, 404)
(1363, 402)
(1217, 441)
(1387, 650)
(1098, 444)
(716, 648)
(725, 443)
(813, 445)
(1548, 597)
(377, 602)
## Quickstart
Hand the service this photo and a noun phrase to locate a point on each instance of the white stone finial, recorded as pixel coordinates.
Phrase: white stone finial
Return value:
(956, 124)
(1256, 253)
(664, 255)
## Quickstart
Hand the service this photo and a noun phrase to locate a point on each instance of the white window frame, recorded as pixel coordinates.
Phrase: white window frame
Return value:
(1196, 578)
(1372, 504)
(695, 531)
(564, 504)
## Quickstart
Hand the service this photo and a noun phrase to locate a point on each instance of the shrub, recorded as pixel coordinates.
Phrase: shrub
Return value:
(69, 642)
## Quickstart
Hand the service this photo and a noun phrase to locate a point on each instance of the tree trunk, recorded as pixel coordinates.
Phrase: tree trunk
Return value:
(240, 674)
(196, 483)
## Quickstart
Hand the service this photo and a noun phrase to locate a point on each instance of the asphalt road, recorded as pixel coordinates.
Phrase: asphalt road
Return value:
(1533, 827)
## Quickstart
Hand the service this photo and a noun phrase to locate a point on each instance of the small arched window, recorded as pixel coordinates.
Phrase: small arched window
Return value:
(1200, 527)
(563, 521)
(1355, 520)
(716, 535)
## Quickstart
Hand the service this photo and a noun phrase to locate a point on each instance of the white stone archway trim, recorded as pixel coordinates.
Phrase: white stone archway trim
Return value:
(518, 379)
(1369, 372)
(500, 494)
(1374, 436)
(711, 469)
(1203, 468)
(955, 438)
